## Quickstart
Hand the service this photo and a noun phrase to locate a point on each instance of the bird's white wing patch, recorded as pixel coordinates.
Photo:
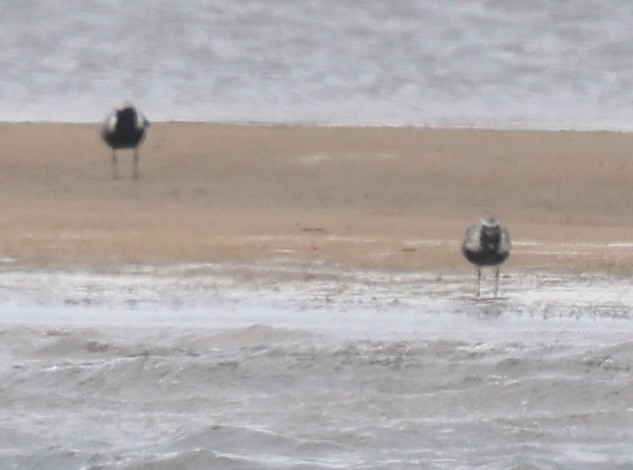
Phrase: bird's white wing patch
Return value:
(141, 121)
(505, 244)
(111, 123)
(472, 241)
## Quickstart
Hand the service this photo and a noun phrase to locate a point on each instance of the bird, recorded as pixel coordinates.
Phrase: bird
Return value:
(487, 243)
(124, 128)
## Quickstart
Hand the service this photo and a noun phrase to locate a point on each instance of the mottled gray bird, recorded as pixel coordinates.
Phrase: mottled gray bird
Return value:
(487, 244)
(124, 128)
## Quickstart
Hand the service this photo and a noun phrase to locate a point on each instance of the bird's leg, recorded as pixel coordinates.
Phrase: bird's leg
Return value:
(115, 173)
(135, 159)
(478, 281)
(496, 282)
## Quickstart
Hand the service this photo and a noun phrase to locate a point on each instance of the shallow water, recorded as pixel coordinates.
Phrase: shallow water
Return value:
(538, 64)
(184, 366)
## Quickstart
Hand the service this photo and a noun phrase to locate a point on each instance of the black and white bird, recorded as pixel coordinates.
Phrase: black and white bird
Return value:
(124, 128)
(487, 244)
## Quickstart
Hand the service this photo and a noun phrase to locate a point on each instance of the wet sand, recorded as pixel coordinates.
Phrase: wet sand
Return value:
(363, 198)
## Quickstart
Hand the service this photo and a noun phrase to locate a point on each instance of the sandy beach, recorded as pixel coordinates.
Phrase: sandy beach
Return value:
(379, 198)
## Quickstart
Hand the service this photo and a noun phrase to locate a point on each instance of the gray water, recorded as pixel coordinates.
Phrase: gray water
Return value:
(545, 64)
(186, 367)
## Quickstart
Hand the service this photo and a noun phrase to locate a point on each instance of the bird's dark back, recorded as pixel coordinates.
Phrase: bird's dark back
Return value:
(123, 129)
(491, 239)
(486, 246)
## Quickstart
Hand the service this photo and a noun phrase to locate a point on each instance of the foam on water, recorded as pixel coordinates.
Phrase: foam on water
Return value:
(545, 64)
(183, 366)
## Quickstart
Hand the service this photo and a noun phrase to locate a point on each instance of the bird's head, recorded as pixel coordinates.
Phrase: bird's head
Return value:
(125, 105)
